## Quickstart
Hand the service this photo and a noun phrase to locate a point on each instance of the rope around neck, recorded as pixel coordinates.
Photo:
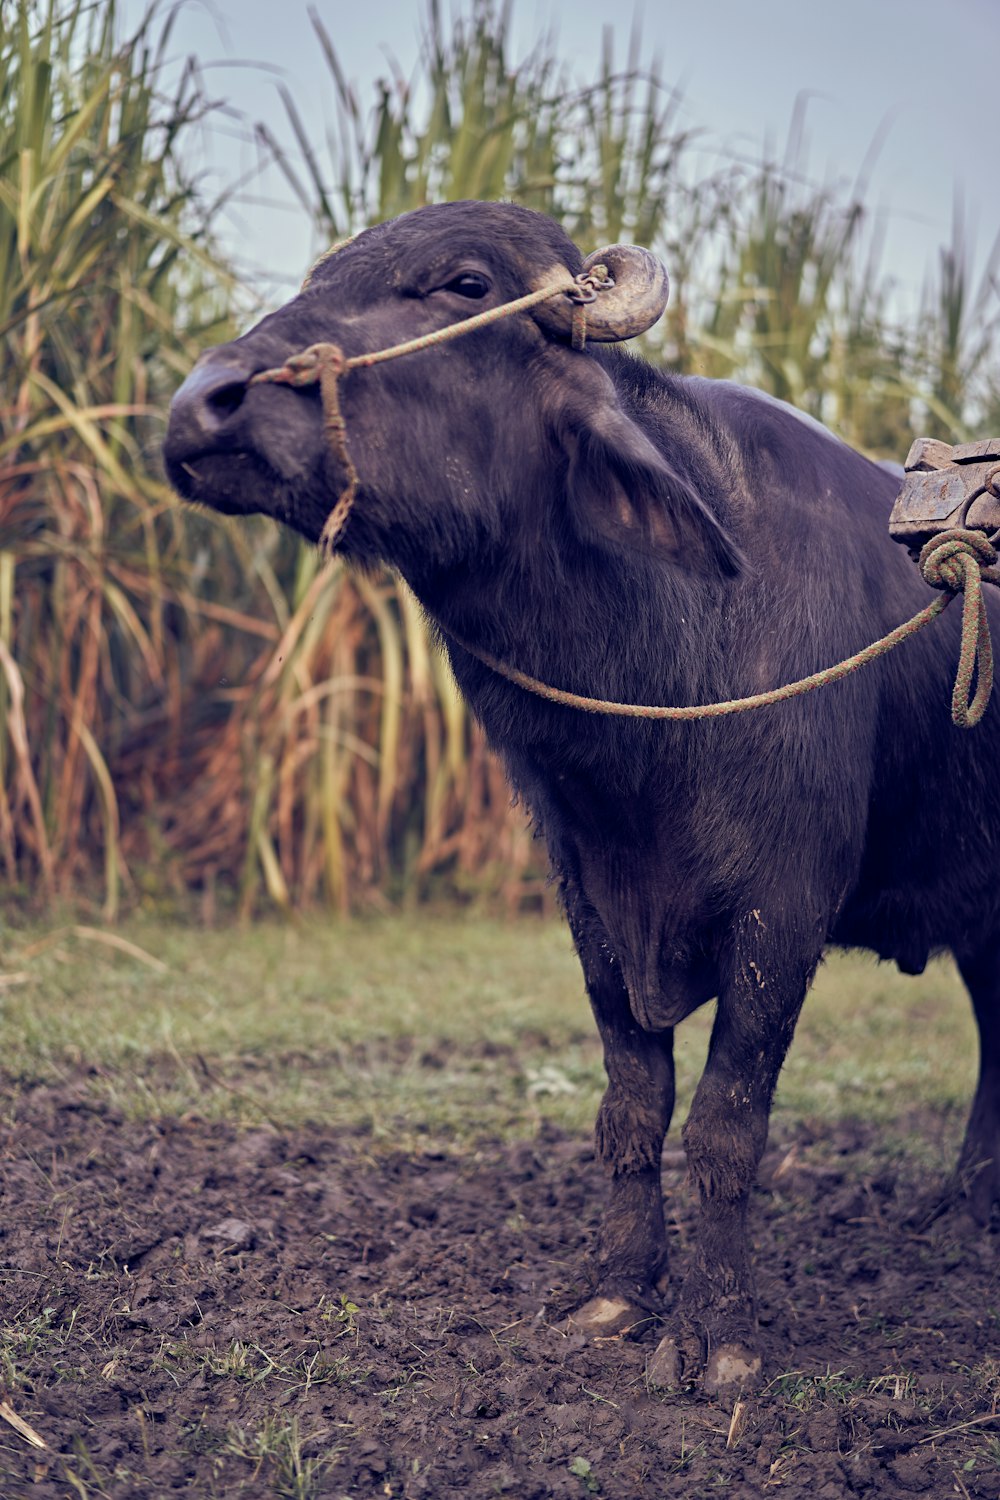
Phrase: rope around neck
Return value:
(952, 561)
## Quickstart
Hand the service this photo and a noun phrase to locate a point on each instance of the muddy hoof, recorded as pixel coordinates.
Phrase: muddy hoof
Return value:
(608, 1318)
(665, 1366)
(930, 1207)
(732, 1369)
(969, 1202)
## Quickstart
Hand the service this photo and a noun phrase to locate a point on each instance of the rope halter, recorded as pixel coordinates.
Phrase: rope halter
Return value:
(951, 562)
(326, 363)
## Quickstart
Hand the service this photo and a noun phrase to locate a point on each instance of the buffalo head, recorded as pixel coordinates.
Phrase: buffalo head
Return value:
(506, 433)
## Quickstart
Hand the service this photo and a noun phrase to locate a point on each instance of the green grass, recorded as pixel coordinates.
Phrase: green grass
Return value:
(444, 1029)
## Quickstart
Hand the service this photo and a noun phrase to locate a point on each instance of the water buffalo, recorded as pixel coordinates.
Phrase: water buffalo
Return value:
(634, 536)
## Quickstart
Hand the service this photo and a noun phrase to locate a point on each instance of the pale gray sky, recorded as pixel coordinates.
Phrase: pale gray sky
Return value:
(925, 71)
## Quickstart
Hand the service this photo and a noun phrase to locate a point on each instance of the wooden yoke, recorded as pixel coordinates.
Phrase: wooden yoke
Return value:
(947, 487)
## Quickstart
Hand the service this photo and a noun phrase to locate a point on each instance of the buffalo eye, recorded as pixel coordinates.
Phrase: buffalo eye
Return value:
(470, 284)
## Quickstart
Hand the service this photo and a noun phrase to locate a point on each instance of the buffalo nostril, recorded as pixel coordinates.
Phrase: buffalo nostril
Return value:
(227, 398)
(208, 403)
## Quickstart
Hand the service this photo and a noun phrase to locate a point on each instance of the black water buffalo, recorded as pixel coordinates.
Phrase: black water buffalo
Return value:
(639, 537)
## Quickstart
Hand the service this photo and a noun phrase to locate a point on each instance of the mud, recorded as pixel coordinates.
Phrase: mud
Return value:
(191, 1307)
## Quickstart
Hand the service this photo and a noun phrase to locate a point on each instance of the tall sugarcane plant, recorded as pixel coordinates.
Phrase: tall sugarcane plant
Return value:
(188, 703)
(107, 289)
(184, 702)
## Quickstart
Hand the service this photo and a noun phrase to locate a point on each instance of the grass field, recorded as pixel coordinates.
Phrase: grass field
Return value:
(449, 1028)
(297, 1211)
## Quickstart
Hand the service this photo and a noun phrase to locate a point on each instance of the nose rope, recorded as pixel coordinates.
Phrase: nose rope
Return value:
(326, 363)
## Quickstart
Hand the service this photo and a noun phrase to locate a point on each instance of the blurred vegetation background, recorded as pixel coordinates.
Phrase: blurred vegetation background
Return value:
(191, 706)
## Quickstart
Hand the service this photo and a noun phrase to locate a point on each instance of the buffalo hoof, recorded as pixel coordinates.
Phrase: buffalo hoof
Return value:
(970, 1199)
(608, 1318)
(979, 1196)
(665, 1366)
(730, 1370)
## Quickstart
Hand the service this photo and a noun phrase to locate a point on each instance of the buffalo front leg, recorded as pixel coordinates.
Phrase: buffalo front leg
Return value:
(973, 1189)
(714, 1336)
(976, 1184)
(635, 1112)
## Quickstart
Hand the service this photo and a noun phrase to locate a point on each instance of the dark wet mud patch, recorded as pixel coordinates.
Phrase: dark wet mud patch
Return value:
(192, 1307)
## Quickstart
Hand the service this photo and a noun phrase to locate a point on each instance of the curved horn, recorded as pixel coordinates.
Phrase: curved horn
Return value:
(629, 307)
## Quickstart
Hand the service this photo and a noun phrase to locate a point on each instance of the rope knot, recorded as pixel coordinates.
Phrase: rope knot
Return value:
(946, 561)
(584, 291)
(306, 367)
(311, 365)
(953, 561)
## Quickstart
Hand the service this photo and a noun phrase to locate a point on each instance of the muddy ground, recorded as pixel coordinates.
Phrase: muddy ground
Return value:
(199, 1308)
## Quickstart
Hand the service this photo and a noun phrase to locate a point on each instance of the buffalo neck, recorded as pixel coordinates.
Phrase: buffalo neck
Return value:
(600, 621)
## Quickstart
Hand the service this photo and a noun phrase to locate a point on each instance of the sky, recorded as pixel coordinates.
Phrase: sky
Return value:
(917, 76)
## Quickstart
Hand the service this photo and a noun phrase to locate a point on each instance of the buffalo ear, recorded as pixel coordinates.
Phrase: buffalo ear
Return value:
(623, 491)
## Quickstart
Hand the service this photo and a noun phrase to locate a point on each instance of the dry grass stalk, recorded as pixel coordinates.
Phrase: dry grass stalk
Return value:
(20, 1426)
